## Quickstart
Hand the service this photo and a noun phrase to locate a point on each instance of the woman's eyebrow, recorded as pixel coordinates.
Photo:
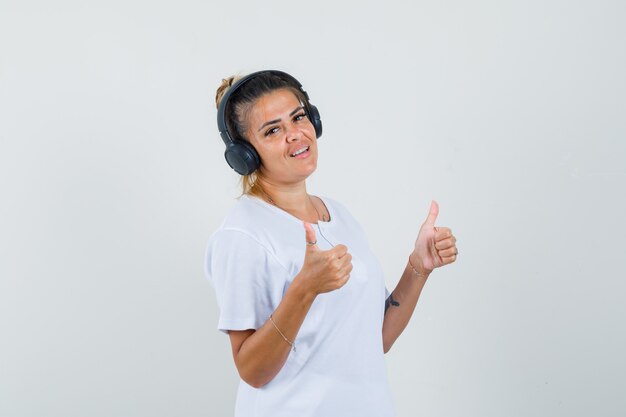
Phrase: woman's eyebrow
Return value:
(295, 110)
(271, 122)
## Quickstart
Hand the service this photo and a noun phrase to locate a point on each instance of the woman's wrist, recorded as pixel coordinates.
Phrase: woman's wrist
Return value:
(416, 267)
(301, 290)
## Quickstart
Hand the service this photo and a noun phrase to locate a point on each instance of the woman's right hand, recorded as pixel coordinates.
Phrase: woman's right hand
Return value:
(324, 270)
(260, 354)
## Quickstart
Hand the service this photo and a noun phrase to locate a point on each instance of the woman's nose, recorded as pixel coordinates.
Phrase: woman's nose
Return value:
(292, 133)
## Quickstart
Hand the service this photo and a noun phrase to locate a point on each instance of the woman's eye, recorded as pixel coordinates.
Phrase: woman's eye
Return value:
(271, 131)
(299, 117)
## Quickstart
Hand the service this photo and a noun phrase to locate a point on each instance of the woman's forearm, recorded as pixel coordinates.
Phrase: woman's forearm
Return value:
(262, 354)
(402, 302)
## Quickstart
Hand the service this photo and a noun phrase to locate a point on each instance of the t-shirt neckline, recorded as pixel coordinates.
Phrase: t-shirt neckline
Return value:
(291, 216)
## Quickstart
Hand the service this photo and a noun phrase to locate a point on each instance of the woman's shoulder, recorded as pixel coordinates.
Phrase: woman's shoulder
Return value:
(252, 228)
(241, 226)
(245, 214)
(250, 218)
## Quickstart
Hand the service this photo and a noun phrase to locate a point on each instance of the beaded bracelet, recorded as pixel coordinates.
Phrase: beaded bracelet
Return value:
(414, 270)
(281, 333)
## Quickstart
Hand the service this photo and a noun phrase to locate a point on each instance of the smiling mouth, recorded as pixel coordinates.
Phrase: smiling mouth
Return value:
(300, 151)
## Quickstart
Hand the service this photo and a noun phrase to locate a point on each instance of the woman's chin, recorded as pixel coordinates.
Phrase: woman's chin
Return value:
(305, 167)
(300, 174)
(312, 168)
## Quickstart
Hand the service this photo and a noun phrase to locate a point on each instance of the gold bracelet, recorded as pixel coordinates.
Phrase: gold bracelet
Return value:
(414, 270)
(281, 333)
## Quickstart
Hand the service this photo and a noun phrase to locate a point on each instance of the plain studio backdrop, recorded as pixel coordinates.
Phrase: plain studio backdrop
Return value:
(512, 115)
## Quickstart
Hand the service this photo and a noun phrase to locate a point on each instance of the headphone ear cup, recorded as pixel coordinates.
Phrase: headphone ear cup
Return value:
(242, 157)
(314, 117)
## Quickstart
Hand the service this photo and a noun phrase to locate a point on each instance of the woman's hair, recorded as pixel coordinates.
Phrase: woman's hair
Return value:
(241, 102)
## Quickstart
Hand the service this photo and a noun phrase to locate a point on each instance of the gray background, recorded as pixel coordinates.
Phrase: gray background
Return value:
(510, 114)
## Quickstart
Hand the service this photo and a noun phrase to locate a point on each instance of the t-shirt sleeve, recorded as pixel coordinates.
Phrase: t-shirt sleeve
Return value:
(248, 279)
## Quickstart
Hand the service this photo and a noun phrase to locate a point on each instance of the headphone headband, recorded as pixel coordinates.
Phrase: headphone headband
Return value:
(240, 154)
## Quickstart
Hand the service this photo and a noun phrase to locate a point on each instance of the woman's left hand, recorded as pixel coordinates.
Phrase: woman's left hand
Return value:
(434, 246)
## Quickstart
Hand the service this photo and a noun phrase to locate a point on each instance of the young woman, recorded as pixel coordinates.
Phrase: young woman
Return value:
(301, 295)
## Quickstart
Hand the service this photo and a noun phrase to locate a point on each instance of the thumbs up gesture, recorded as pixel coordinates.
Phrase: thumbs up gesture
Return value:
(434, 246)
(324, 271)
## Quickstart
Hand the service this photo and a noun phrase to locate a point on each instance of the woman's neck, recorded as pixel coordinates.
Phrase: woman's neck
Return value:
(288, 197)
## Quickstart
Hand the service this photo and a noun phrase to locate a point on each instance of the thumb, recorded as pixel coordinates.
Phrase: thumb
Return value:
(432, 215)
(310, 236)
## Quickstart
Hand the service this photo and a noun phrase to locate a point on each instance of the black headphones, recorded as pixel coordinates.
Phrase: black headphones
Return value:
(240, 154)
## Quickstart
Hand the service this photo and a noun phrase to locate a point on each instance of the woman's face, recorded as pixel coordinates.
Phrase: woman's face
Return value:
(284, 137)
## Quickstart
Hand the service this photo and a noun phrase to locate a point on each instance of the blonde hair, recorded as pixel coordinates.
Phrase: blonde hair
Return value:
(240, 104)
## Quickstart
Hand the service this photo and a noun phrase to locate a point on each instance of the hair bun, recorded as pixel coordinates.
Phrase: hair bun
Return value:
(225, 85)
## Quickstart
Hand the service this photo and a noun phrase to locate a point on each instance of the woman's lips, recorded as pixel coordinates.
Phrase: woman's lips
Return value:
(302, 154)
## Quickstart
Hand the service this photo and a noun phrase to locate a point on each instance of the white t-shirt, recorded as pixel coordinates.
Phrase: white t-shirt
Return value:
(338, 368)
